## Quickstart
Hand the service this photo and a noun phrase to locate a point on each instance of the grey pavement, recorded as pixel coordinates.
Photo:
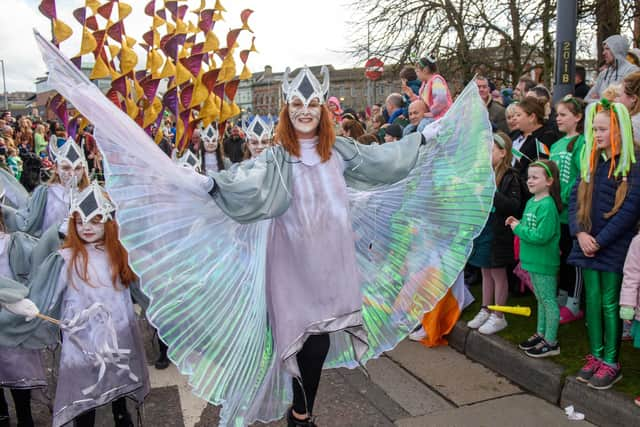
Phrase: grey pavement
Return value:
(410, 386)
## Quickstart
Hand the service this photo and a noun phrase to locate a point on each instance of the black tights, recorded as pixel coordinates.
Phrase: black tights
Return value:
(310, 360)
(570, 276)
(118, 408)
(22, 400)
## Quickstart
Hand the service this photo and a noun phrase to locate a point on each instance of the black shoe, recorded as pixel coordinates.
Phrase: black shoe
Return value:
(294, 422)
(162, 363)
(123, 420)
(4, 421)
(530, 342)
(25, 423)
(543, 349)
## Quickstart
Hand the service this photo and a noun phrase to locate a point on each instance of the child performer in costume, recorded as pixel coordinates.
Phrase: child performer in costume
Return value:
(96, 273)
(493, 249)
(343, 246)
(22, 369)
(12, 299)
(539, 233)
(259, 136)
(566, 153)
(630, 293)
(212, 156)
(49, 203)
(603, 211)
(86, 285)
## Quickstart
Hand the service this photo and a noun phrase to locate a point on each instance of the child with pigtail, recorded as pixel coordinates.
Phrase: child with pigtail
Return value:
(539, 233)
(603, 211)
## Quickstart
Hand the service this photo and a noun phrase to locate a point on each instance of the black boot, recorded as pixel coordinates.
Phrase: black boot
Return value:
(163, 361)
(4, 410)
(22, 401)
(294, 422)
(123, 420)
(121, 415)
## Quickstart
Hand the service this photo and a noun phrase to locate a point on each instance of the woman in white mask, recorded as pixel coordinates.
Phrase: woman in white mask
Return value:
(259, 136)
(49, 202)
(318, 253)
(211, 151)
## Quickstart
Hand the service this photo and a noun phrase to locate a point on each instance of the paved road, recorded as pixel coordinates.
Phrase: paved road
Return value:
(412, 386)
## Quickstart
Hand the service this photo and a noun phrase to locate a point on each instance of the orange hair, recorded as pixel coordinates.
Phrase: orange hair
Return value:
(286, 134)
(585, 190)
(118, 257)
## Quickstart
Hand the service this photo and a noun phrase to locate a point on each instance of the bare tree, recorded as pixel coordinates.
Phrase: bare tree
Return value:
(503, 37)
(402, 31)
(520, 26)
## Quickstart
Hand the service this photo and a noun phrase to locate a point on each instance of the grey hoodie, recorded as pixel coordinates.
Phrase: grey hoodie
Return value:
(615, 72)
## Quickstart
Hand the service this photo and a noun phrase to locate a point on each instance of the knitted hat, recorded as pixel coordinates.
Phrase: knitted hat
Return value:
(393, 130)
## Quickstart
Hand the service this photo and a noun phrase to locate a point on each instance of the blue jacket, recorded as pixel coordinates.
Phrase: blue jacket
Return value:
(614, 235)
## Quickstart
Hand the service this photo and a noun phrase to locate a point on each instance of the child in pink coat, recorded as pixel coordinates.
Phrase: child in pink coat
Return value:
(630, 295)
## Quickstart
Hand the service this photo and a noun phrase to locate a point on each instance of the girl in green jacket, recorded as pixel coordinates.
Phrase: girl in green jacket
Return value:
(539, 232)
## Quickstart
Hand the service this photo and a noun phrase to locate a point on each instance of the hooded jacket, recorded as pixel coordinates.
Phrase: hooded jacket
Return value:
(614, 72)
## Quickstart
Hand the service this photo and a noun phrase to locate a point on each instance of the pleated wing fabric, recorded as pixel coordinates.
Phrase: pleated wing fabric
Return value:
(203, 272)
(413, 237)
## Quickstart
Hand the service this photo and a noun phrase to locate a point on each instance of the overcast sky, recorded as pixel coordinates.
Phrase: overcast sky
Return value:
(288, 33)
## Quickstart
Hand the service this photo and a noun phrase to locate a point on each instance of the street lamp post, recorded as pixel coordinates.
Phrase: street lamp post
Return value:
(4, 83)
(565, 66)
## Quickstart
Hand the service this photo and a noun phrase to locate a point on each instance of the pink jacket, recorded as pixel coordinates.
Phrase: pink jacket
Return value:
(629, 294)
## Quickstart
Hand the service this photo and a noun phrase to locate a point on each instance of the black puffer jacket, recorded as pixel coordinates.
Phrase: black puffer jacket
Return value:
(507, 202)
(493, 247)
(544, 134)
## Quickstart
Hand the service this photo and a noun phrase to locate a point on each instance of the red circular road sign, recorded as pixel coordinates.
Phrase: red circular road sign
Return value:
(373, 69)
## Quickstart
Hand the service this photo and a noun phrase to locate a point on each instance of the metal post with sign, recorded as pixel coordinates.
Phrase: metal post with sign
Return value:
(565, 67)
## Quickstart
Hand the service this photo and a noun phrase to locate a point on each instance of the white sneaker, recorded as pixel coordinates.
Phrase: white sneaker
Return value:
(481, 317)
(418, 335)
(493, 325)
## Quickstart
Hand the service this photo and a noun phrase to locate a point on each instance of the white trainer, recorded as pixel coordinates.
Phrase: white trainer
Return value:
(418, 335)
(481, 317)
(493, 324)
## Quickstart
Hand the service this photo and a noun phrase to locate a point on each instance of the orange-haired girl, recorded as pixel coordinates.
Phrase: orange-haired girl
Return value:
(603, 210)
(95, 281)
(87, 285)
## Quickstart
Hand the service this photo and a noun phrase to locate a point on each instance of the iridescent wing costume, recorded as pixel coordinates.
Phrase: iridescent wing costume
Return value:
(414, 208)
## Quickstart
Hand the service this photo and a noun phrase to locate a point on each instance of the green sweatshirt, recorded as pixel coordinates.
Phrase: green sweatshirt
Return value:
(40, 143)
(539, 232)
(569, 165)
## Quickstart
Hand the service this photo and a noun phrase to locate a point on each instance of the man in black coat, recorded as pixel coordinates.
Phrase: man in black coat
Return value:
(234, 145)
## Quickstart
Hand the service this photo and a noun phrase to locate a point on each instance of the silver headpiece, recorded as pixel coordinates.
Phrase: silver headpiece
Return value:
(258, 129)
(187, 160)
(92, 201)
(69, 151)
(305, 86)
(209, 134)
